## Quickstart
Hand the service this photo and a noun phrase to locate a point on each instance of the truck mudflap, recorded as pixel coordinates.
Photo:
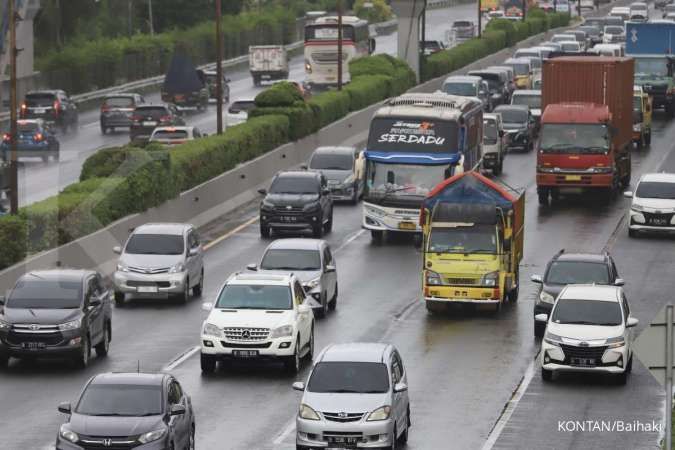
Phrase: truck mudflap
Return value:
(462, 294)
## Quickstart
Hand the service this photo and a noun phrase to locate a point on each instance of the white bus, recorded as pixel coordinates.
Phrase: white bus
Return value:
(321, 48)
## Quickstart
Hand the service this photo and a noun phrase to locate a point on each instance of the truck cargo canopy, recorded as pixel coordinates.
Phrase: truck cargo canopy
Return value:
(471, 188)
(182, 76)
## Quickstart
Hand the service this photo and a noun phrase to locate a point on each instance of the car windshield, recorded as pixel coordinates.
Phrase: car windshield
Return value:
(295, 185)
(476, 239)
(169, 135)
(512, 115)
(119, 102)
(593, 31)
(656, 189)
(577, 272)
(289, 259)
(459, 88)
(490, 132)
(155, 244)
(637, 103)
(332, 161)
(613, 30)
(120, 400)
(402, 180)
(520, 68)
(255, 296)
(651, 66)
(40, 99)
(27, 126)
(531, 100)
(32, 292)
(570, 46)
(494, 83)
(587, 312)
(573, 138)
(349, 378)
(461, 23)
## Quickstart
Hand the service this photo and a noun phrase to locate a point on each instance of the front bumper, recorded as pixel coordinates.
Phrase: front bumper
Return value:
(145, 284)
(316, 433)
(638, 221)
(580, 180)
(490, 160)
(341, 192)
(62, 444)
(223, 349)
(57, 345)
(462, 294)
(31, 151)
(290, 221)
(389, 222)
(613, 360)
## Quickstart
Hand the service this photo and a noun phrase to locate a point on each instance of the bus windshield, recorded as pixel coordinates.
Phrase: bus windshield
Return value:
(328, 32)
(390, 181)
(412, 135)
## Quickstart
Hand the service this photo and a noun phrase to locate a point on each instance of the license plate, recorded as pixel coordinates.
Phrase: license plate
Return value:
(33, 345)
(265, 77)
(245, 353)
(587, 362)
(342, 440)
(289, 219)
(406, 226)
(573, 177)
(146, 289)
(658, 221)
(39, 110)
(149, 124)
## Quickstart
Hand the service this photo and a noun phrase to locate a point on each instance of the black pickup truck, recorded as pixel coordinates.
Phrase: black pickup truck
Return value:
(185, 86)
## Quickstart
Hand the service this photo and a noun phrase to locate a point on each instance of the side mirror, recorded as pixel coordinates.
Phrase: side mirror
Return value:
(304, 166)
(330, 268)
(95, 301)
(298, 386)
(65, 408)
(207, 306)
(262, 191)
(400, 387)
(631, 322)
(537, 279)
(194, 251)
(177, 410)
(117, 249)
(619, 282)
(628, 194)
(541, 318)
(252, 267)
(304, 309)
(325, 191)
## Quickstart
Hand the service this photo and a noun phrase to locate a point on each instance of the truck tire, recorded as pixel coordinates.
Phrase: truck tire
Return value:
(670, 110)
(513, 293)
(497, 169)
(648, 138)
(542, 195)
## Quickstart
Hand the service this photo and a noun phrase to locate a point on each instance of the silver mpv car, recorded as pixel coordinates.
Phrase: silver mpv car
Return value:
(356, 397)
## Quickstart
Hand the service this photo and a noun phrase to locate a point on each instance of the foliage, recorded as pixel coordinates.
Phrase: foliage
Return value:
(379, 12)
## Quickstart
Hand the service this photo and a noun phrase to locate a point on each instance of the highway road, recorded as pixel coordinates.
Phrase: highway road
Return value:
(38, 180)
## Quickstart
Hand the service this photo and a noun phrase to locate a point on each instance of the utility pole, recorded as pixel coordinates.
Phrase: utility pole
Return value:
(13, 131)
(219, 67)
(423, 39)
(579, 8)
(524, 9)
(480, 17)
(150, 18)
(339, 45)
(130, 22)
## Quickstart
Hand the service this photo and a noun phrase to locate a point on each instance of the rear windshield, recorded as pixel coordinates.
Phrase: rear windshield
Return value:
(119, 102)
(239, 106)
(612, 29)
(331, 161)
(531, 101)
(462, 23)
(459, 88)
(155, 244)
(570, 46)
(166, 134)
(349, 378)
(28, 126)
(32, 292)
(40, 99)
(512, 115)
(577, 272)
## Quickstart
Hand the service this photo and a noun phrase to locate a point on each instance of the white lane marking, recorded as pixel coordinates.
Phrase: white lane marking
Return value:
(286, 432)
(349, 240)
(231, 233)
(181, 359)
(511, 406)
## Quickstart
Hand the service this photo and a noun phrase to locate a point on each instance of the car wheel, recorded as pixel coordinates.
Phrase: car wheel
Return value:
(197, 290)
(403, 439)
(513, 293)
(394, 439)
(191, 438)
(4, 360)
(546, 375)
(539, 329)
(542, 195)
(265, 231)
(317, 230)
(321, 312)
(82, 358)
(376, 236)
(207, 363)
(629, 367)
(332, 304)
(355, 195)
(310, 350)
(329, 224)
(104, 130)
(119, 299)
(185, 296)
(292, 363)
(632, 233)
(103, 346)
(622, 378)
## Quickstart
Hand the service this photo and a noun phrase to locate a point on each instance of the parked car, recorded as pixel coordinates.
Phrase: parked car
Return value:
(652, 207)
(117, 111)
(238, 112)
(146, 118)
(175, 135)
(431, 47)
(211, 77)
(56, 313)
(567, 268)
(613, 34)
(312, 261)
(589, 330)
(129, 410)
(344, 169)
(270, 321)
(518, 125)
(54, 107)
(468, 86)
(355, 392)
(35, 139)
(160, 260)
(494, 144)
(587, 4)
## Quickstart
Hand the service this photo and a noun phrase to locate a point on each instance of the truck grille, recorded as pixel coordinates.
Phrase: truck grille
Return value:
(461, 281)
(159, 284)
(342, 417)
(240, 345)
(246, 334)
(147, 270)
(572, 351)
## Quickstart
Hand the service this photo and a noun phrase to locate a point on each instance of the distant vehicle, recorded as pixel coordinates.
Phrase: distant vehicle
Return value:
(639, 8)
(117, 110)
(35, 140)
(267, 63)
(489, 6)
(54, 107)
(567, 268)
(366, 388)
(570, 47)
(519, 126)
(56, 313)
(597, 22)
(652, 204)
(621, 12)
(581, 37)
(498, 84)
(670, 16)
(129, 410)
(510, 79)
(297, 200)
(608, 50)
(554, 46)
(185, 86)
(312, 261)
(638, 17)
(532, 99)
(523, 70)
(431, 47)
(594, 34)
(468, 86)
(160, 260)
(613, 20)
(535, 56)
(514, 8)
(271, 320)
(211, 77)
(579, 311)
(546, 5)
(536, 84)
(494, 143)
(587, 4)
(642, 117)
(562, 7)
(544, 50)
(344, 169)
(238, 112)
(462, 30)
(660, 3)
(175, 135)
(495, 15)
(147, 117)
(670, 8)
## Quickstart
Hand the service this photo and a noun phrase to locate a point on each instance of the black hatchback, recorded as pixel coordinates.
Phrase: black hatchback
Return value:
(129, 410)
(146, 118)
(54, 107)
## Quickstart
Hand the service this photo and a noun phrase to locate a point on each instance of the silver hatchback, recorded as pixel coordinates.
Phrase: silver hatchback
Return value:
(356, 397)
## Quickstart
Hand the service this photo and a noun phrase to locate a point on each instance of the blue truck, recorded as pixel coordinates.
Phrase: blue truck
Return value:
(652, 45)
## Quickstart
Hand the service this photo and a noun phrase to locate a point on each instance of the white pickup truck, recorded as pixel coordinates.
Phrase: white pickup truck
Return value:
(267, 63)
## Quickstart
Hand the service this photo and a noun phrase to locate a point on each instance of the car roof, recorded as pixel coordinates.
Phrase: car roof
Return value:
(298, 173)
(464, 78)
(591, 292)
(662, 177)
(152, 105)
(517, 60)
(526, 92)
(59, 274)
(132, 378)
(499, 108)
(261, 278)
(296, 244)
(334, 150)
(492, 116)
(356, 352)
(162, 228)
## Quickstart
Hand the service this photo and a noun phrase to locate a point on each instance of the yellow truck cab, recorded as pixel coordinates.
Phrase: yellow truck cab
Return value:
(472, 242)
(642, 117)
(522, 67)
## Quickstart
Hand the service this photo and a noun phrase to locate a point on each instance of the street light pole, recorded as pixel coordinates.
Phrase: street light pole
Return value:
(524, 9)
(219, 68)
(14, 166)
(339, 45)
(150, 18)
(479, 18)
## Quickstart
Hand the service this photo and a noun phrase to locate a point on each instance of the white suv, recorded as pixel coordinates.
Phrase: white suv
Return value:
(653, 206)
(589, 330)
(258, 316)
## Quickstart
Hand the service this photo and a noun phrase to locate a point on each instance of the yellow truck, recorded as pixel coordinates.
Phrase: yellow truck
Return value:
(489, 5)
(472, 242)
(642, 117)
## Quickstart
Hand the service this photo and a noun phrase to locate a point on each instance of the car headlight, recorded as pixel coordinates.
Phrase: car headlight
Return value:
(615, 342)
(178, 268)
(210, 329)
(68, 435)
(552, 339)
(433, 278)
(122, 267)
(5, 325)
(490, 279)
(312, 206)
(283, 331)
(637, 207)
(546, 297)
(308, 413)
(151, 436)
(602, 169)
(382, 413)
(308, 67)
(375, 211)
(72, 325)
(312, 283)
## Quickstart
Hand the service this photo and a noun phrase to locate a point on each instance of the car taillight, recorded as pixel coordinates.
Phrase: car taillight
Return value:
(57, 106)
(105, 108)
(6, 137)
(136, 118)
(165, 119)
(38, 137)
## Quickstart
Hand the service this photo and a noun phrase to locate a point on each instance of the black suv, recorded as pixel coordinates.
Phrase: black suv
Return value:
(129, 410)
(117, 110)
(519, 126)
(146, 118)
(297, 200)
(571, 268)
(54, 107)
(56, 313)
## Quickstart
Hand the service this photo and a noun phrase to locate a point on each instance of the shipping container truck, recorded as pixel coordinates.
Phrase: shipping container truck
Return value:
(267, 63)
(586, 127)
(473, 230)
(652, 45)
